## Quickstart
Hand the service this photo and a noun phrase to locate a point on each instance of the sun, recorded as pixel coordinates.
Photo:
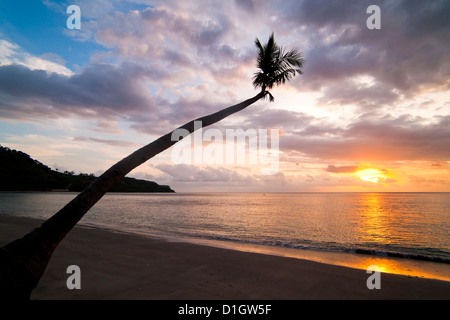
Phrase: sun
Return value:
(371, 175)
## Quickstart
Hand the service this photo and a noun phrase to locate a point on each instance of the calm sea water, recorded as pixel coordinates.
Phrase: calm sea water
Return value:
(411, 225)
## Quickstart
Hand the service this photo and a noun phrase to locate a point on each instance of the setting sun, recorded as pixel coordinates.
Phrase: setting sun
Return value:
(371, 175)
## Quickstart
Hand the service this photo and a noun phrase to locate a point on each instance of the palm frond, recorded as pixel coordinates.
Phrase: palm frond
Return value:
(276, 65)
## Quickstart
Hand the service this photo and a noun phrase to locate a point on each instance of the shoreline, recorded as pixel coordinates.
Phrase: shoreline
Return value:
(393, 265)
(422, 268)
(116, 265)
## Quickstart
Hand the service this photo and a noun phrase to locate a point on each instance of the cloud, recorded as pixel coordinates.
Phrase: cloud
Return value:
(350, 92)
(178, 47)
(248, 5)
(408, 55)
(11, 53)
(115, 143)
(436, 165)
(420, 180)
(100, 90)
(343, 169)
(383, 139)
(198, 174)
(166, 34)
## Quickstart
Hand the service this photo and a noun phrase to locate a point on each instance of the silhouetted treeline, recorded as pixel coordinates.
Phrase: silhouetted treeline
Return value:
(19, 172)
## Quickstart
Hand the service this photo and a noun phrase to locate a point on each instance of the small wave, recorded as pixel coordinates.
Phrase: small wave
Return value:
(401, 255)
(328, 247)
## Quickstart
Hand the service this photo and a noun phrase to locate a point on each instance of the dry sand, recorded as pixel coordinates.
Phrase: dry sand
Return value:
(127, 266)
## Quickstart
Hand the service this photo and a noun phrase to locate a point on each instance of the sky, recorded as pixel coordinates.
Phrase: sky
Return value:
(370, 113)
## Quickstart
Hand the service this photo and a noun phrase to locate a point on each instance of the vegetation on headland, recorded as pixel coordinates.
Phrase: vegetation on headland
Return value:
(19, 172)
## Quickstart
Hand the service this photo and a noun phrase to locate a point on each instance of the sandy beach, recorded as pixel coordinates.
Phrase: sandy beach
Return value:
(126, 266)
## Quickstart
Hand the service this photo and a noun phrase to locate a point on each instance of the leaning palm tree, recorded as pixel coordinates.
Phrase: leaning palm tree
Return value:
(23, 261)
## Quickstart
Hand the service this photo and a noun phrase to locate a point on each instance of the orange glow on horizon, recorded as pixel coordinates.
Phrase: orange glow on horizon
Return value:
(371, 175)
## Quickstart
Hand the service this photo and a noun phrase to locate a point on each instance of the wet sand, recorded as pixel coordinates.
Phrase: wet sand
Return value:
(127, 266)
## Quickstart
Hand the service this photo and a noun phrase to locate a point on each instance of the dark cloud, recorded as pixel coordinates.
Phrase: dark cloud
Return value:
(115, 143)
(410, 53)
(99, 90)
(420, 180)
(247, 5)
(194, 46)
(192, 173)
(390, 139)
(172, 114)
(364, 96)
(263, 117)
(256, 116)
(318, 13)
(342, 169)
(163, 27)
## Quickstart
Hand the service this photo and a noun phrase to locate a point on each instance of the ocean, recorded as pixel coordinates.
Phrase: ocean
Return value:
(411, 226)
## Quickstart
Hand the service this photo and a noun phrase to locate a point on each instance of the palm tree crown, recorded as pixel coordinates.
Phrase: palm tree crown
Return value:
(276, 65)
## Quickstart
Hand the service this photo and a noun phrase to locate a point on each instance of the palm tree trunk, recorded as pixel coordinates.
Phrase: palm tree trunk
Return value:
(23, 261)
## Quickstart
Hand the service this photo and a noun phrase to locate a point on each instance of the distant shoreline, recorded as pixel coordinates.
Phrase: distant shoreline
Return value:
(256, 192)
(19, 172)
(77, 192)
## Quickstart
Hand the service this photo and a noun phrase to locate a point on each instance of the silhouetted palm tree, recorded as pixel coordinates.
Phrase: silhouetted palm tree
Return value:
(23, 262)
(276, 66)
